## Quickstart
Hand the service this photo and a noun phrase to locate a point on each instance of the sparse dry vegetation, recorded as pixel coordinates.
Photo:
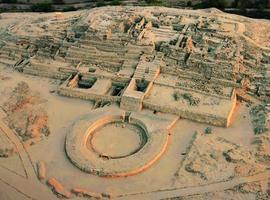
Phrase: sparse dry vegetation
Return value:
(192, 101)
(26, 114)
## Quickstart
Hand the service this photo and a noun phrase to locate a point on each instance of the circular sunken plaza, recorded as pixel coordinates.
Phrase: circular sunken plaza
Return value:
(112, 143)
(117, 139)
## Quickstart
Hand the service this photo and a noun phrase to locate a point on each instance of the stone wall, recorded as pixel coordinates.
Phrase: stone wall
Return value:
(198, 117)
(132, 99)
(199, 91)
(91, 162)
(172, 71)
(131, 103)
(48, 74)
(79, 93)
(88, 75)
(230, 116)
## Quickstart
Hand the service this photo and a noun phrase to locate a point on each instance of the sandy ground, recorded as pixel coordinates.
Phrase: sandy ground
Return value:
(158, 181)
(108, 140)
(64, 111)
(9, 193)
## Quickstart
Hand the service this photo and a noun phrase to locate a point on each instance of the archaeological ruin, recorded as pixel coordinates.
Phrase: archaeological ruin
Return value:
(97, 101)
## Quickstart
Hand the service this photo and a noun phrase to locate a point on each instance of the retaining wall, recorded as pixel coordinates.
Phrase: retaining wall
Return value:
(79, 93)
(48, 74)
(198, 117)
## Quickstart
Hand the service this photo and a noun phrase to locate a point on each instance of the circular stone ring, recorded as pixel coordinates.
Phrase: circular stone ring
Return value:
(91, 158)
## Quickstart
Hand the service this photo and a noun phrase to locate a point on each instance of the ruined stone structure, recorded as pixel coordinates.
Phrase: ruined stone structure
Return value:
(152, 131)
(137, 71)
(142, 60)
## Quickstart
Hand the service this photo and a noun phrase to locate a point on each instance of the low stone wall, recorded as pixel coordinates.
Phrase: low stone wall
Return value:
(103, 121)
(88, 75)
(132, 99)
(199, 91)
(198, 117)
(79, 93)
(67, 70)
(8, 63)
(149, 87)
(179, 73)
(131, 103)
(230, 116)
(48, 74)
(38, 65)
(139, 122)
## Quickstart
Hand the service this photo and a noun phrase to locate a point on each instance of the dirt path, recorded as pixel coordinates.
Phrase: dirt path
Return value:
(214, 187)
(24, 156)
(30, 187)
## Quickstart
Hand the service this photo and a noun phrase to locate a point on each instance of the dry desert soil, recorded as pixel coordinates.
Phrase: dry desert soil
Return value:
(134, 103)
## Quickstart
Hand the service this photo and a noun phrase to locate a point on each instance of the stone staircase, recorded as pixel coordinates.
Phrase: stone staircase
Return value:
(147, 70)
(89, 49)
